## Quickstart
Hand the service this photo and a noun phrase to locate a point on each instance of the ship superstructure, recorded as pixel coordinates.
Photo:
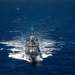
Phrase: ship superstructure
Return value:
(32, 49)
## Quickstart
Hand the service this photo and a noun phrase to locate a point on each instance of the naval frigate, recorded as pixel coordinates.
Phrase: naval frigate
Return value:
(32, 49)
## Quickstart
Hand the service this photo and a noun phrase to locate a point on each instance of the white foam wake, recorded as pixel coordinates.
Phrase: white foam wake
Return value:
(1, 48)
(17, 52)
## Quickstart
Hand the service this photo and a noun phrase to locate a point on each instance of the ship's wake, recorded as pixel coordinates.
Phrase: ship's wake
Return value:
(17, 48)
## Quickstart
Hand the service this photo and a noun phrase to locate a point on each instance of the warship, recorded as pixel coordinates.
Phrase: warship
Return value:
(32, 49)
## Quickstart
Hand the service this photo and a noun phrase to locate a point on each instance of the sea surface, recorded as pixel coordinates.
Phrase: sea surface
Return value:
(53, 22)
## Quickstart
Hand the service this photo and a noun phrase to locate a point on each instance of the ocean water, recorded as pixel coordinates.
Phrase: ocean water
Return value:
(54, 24)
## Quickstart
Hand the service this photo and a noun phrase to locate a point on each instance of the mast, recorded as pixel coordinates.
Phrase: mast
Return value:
(32, 31)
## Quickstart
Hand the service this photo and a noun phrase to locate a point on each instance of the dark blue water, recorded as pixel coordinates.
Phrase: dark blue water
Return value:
(52, 20)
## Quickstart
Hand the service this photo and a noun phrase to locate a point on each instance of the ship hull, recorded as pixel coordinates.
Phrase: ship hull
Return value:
(32, 57)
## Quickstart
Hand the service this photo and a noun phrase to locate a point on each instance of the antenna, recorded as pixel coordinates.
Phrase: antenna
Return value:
(32, 30)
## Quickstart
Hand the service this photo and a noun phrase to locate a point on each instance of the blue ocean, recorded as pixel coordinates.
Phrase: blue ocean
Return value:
(54, 24)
